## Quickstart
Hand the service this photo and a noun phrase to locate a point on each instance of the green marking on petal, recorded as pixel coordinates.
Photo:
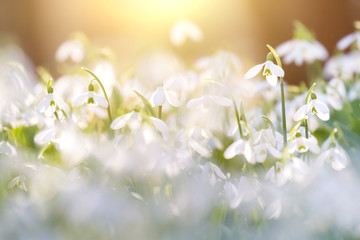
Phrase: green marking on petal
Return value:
(91, 101)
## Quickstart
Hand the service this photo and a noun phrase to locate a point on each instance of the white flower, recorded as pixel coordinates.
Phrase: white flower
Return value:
(301, 50)
(302, 144)
(184, 29)
(161, 96)
(161, 126)
(336, 156)
(207, 101)
(70, 49)
(315, 107)
(238, 147)
(335, 93)
(51, 103)
(346, 41)
(271, 71)
(90, 97)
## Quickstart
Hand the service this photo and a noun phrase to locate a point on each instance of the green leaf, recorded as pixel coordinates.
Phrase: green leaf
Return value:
(149, 109)
(268, 121)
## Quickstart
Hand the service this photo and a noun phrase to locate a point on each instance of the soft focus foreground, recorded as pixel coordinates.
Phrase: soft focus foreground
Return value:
(164, 150)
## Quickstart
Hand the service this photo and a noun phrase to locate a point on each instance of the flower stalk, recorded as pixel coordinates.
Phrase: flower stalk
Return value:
(282, 95)
(102, 88)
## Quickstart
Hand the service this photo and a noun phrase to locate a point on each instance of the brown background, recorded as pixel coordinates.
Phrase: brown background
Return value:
(132, 28)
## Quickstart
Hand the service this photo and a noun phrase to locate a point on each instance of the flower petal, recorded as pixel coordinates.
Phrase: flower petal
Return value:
(300, 113)
(272, 80)
(171, 98)
(62, 105)
(80, 100)
(254, 71)
(345, 41)
(45, 103)
(121, 121)
(159, 96)
(234, 149)
(161, 126)
(45, 136)
(100, 100)
(275, 69)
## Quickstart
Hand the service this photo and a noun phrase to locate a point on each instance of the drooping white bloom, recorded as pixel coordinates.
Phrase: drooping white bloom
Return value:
(349, 39)
(301, 50)
(239, 147)
(162, 95)
(335, 93)
(333, 153)
(51, 103)
(72, 49)
(314, 107)
(90, 97)
(184, 29)
(271, 71)
(302, 144)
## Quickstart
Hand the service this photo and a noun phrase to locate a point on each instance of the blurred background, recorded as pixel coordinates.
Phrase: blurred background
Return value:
(131, 28)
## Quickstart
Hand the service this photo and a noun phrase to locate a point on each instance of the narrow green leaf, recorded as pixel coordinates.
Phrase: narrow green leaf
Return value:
(147, 105)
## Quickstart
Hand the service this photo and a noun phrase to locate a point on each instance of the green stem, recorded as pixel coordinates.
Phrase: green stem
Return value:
(103, 89)
(282, 95)
(159, 112)
(283, 111)
(306, 128)
(238, 120)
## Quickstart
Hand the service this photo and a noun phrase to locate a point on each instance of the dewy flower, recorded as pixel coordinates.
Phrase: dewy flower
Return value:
(303, 48)
(51, 103)
(349, 39)
(271, 71)
(314, 107)
(90, 97)
(70, 49)
(184, 29)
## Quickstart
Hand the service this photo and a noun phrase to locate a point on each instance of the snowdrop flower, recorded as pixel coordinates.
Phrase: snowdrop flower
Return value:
(271, 71)
(51, 104)
(303, 48)
(161, 126)
(351, 38)
(90, 97)
(301, 144)
(335, 93)
(314, 107)
(184, 29)
(300, 51)
(214, 172)
(266, 141)
(72, 49)
(161, 96)
(206, 101)
(333, 153)
(240, 147)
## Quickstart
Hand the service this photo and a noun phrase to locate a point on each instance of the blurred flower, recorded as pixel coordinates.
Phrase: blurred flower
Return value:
(72, 49)
(351, 38)
(207, 101)
(303, 48)
(300, 51)
(271, 71)
(184, 29)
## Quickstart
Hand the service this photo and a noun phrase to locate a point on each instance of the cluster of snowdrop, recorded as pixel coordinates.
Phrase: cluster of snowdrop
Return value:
(201, 153)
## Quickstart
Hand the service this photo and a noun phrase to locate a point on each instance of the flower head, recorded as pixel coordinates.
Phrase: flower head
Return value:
(271, 71)
(90, 97)
(314, 107)
(185, 29)
(303, 48)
